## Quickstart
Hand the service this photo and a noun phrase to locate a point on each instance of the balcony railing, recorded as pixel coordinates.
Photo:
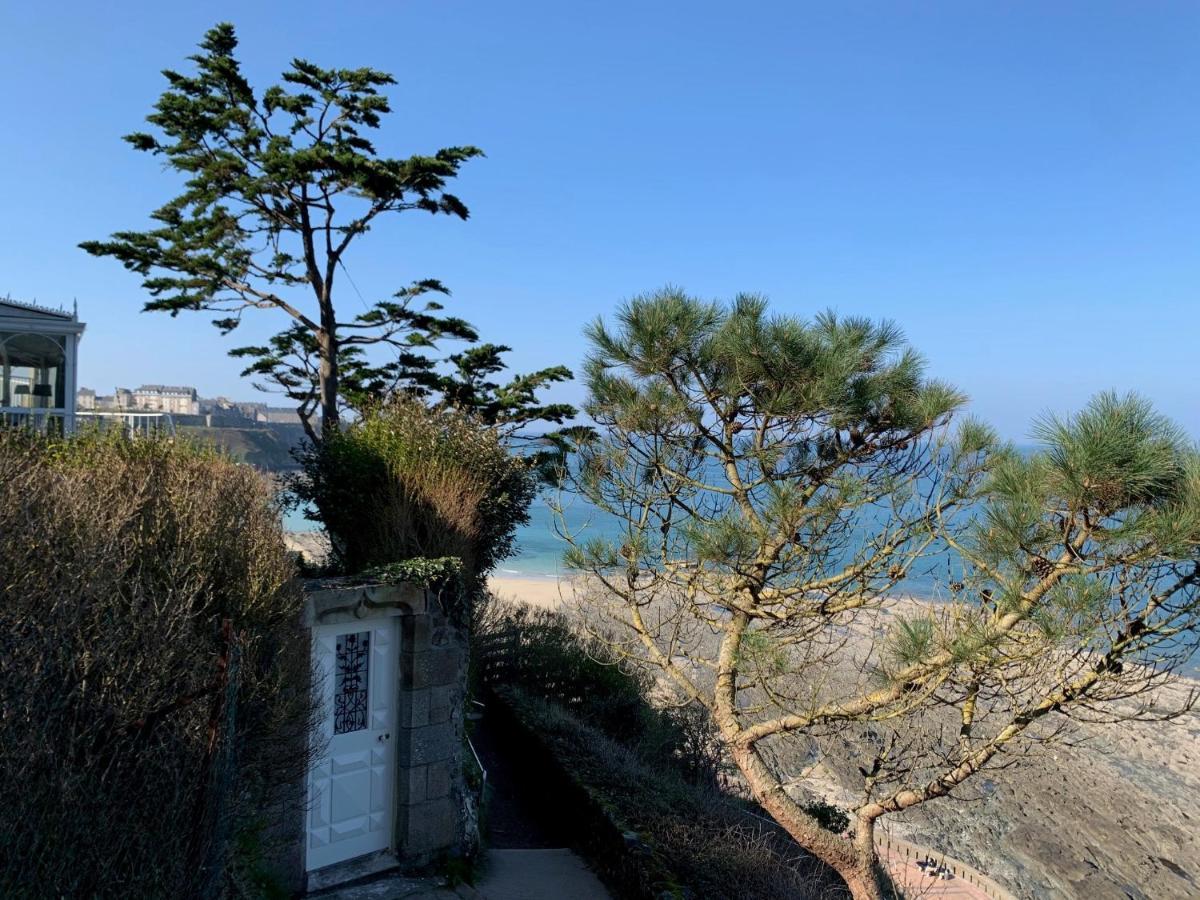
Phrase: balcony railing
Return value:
(55, 421)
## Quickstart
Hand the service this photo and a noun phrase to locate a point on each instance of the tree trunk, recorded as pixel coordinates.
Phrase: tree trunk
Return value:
(866, 866)
(327, 341)
(854, 862)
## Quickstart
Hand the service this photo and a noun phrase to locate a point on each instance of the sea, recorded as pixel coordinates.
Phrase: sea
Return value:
(539, 551)
(540, 546)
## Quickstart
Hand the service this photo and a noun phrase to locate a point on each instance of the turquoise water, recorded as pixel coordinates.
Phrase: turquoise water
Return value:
(540, 548)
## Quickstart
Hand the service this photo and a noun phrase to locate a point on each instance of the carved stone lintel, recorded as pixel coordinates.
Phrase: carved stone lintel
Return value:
(360, 610)
(327, 603)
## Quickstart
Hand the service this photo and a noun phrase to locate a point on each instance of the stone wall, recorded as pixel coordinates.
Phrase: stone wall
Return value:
(430, 795)
(432, 805)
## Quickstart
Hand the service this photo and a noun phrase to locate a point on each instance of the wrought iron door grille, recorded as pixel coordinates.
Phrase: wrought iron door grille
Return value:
(350, 683)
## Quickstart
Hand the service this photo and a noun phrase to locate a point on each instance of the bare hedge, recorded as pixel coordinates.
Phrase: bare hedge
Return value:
(154, 692)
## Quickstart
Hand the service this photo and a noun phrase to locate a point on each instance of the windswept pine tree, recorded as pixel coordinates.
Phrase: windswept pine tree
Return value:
(776, 481)
(280, 185)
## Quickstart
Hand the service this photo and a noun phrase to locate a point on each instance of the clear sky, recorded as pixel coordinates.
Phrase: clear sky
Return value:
(1016, 183)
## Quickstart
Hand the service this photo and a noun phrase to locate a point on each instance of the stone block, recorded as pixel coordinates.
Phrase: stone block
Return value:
(445, 666)
(439, 780)
(413, 707)
(416, 670)
(431, 826)
(412, 785)
(443, 634)
(421, 746)
(441, 703)
(415, 632)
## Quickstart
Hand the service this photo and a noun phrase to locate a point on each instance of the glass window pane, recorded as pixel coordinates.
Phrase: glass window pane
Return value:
(32, 371)
(350, 682)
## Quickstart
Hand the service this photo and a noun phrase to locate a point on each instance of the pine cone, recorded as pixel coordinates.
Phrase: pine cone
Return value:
(1042, 567)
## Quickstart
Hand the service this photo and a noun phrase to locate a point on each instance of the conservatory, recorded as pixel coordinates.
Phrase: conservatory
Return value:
(38, 354)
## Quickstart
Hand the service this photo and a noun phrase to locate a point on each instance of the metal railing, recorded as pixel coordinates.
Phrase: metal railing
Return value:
(907, 851)
(43, 421)
(58, 421)
(131, 422)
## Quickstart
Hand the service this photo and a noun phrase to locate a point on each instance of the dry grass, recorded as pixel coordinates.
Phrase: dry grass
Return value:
(406, 481)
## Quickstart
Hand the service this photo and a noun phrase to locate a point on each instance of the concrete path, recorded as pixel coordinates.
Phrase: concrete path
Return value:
(509, 875)
(400, 887)
(538, 875)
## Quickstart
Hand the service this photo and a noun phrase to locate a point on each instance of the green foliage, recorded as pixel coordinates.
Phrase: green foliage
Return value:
(470, 386)
(737, 443)
(420, 570)
(832, 818)
(761, 652)
(776, 479)
(407, 482)
(152, 675)
(696, 840)
(1115, 454)
(553, 660)
(279, 185)
(1118, 469)
(855, 372)
(1092, 541)
(912, 639)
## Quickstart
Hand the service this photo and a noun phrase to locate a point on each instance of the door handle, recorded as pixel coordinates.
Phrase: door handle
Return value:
(384, 737)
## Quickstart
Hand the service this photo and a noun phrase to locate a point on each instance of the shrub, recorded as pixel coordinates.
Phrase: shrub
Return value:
(710, 842)
(538, 650)
(542, 652)
(153, 677)
(406, 481)
(832, 818)
(657, 770)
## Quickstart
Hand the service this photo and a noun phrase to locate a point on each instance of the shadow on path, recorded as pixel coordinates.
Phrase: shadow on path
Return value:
(526, 831)
(519, 815)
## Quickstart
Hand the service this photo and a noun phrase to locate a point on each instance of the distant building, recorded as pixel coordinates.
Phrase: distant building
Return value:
(166, 398)
(187, 407)
(177, 400)
(39, 350)
(282, 415)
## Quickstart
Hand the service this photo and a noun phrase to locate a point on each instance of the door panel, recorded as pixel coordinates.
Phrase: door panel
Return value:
(351, 784)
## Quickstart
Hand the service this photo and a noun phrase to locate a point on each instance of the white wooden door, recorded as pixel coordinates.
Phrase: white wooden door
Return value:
(350, 790)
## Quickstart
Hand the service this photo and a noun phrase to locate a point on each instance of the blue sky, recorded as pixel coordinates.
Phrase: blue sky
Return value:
(1017, 184)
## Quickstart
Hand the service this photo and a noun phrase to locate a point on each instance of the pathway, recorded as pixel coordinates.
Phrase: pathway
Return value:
(915, 883)
(526, 859)
(539, 875)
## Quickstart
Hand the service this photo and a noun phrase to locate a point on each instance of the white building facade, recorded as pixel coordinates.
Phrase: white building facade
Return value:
(180, 400)
(39, 353)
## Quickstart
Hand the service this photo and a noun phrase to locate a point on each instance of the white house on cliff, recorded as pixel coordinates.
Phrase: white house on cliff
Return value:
(39, 349)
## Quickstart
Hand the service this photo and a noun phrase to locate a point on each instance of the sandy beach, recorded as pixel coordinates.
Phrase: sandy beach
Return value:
(549, 593)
